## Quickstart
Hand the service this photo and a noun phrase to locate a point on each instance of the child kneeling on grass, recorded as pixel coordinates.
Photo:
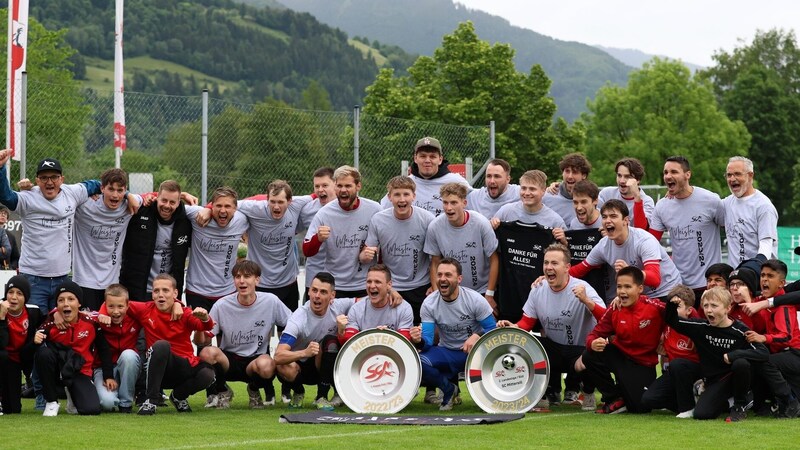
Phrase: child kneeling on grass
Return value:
(725, 356)
(624, 344)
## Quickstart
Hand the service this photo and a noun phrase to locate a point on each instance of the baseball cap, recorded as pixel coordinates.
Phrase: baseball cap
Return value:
(48, 164)
(428, 142)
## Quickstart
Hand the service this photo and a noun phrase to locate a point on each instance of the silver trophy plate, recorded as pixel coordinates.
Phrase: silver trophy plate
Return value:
(507, 371)
(377, 371)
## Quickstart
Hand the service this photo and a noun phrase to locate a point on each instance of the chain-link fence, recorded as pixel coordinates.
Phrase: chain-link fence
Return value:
(247, 145)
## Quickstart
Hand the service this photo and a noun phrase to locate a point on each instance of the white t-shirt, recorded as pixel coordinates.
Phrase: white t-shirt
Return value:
(747, 221)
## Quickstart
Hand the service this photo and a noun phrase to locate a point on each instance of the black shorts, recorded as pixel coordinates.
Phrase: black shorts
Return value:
(237, 366)
(414, 297)
(309, 374)
(289, 295)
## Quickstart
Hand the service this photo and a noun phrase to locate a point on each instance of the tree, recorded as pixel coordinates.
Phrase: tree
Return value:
(470, 82)
(663, 111)
(759, 84)
(56, 114)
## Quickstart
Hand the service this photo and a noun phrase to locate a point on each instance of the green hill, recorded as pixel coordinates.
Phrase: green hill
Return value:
(577, 70)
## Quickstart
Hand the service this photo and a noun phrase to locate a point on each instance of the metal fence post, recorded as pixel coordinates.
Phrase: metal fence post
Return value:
(404, 167)
(204, 147)
(491, 140)
(356, 128)
(23, 124)
(468, 169)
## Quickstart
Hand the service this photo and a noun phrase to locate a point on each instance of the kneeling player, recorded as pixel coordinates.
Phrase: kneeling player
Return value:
(243, 324)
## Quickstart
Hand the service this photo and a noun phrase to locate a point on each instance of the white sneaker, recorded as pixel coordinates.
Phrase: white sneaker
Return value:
(51, 409)
(589, 402)
(336, 401)
(433, 397)
(212, 401)
(544, 403)
(686, 414)
(285, 399)
(71, 409)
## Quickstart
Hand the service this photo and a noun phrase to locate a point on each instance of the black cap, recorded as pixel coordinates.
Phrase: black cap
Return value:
(748, 276)
(21, 283)
(48, 164)
(70, 286)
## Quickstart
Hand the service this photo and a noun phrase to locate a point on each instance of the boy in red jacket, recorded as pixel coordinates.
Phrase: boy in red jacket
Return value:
(68, 355)
(18, 324)
(171, 361)
(624, 344)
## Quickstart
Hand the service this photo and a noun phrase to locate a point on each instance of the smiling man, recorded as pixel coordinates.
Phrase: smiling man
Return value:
(751, 221)
(157, 241)
(497, 190)
(574, 168)
(100, 229)
(48, 216)
(630, 173)
(692, 215)
(626, 246)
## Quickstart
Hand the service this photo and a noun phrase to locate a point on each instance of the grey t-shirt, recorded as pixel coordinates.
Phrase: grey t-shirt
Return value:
(99, 235)
(561, 205)
(545, 216)
(307, 327)
(213, 254)
(402, 246)
(348, 233)
(456, 320)
(747, 221)
(427, 192)
(47, 230)
(565, 320)
(270, 242)
(693, 224)
(245, 330)
(364, 316)
(639, 248)
(607, 193)
(480, 200)
(471, 244)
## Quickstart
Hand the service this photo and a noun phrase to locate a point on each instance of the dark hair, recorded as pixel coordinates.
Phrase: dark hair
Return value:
(587, 188)
(617, 204)
(721, 269)
(381, 268)
(577, 161)
(112, 176)
(502, 163)
(169, 186)
(680, 160)
(634, 166)
(452, 262)
(683, 292)
(777, 265)
(323, 172)
(225, 191)
(326, 277)
(633, 272)
(278, 186)
(246, 267)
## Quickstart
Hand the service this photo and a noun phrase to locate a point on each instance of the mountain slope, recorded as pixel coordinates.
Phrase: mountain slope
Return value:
(577, 70)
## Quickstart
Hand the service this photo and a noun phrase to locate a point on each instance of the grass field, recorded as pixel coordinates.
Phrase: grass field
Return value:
(563, 427)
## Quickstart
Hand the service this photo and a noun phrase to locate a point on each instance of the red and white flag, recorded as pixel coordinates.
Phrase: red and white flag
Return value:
(17, 55)
(119, 90)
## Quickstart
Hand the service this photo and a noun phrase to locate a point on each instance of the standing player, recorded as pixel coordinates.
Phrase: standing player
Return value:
(692, 215)
(584, 203)
(397, 236)
(243, 324)
(461, 315)
(530, 209)
(325, 190)
(574, 168)
(48, 216)
(625, 246)
(430, 172)
(308, 346)
(157, 242)
(497, 190)
(378, 312)
(751, 221)
(641, 206)
(467, 237)
(568, 309)
(341, 228)
(100, 229)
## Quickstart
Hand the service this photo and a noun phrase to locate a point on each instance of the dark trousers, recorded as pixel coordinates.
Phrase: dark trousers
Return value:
(351, 294)
(782, 373)
(562, 360)
(11, 385)
(194, 300)
(414, 297)
(82, 390)
(92, 299)
(632, 378)
(322, 376)
(289, 295)
(714, 400)
(165, 370)
(674, 389)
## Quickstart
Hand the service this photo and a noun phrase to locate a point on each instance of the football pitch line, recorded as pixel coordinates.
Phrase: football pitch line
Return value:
(399, 429)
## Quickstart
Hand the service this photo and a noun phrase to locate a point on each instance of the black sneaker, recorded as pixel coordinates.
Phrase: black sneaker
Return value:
(181, 405)
(147, 409)
(788, 410)
(554, 398)
(124, 409)
(738, 414)
(1, 409)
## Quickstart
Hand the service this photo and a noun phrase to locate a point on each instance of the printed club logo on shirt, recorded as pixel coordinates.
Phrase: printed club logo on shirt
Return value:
(83, 334)
(644, 324)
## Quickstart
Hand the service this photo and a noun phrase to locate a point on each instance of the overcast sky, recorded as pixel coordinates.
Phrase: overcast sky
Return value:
(690, 30)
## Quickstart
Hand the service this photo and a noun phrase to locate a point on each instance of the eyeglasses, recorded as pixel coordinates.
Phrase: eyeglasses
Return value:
(46, 178)
(735, 284)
